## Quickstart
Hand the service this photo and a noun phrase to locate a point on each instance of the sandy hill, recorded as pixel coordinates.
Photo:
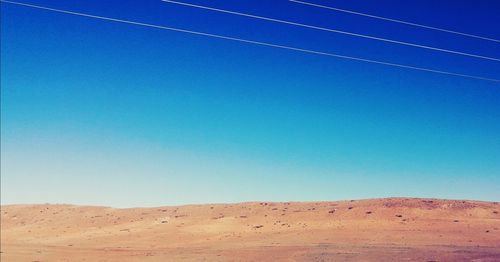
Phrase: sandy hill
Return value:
(393, 229)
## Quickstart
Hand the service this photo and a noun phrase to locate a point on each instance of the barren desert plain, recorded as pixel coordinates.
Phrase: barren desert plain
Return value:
(391, 229)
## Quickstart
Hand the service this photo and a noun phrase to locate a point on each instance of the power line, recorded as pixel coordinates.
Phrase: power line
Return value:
(396, 21)
(334, 31)
(251, 41)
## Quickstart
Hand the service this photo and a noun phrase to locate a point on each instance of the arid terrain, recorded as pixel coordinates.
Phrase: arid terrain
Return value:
(393, 229)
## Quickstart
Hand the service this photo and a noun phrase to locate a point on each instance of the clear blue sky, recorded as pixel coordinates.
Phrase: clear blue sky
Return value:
(103, 113)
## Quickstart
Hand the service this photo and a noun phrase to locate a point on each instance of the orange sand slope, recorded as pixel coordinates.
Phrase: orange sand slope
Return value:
(395, 229)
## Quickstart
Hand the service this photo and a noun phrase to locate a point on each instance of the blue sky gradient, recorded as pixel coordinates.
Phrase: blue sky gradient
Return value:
(103, 113)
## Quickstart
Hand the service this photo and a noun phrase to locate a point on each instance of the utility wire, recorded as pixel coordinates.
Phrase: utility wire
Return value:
(334, 30)
(396, 21)
(250, 41)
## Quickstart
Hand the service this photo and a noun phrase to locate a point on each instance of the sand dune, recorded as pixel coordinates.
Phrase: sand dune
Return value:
(395, 229)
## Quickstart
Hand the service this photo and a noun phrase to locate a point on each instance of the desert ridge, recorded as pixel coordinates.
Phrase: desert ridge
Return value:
(390, 229)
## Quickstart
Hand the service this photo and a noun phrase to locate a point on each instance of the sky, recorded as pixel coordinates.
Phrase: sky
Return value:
(102, 113)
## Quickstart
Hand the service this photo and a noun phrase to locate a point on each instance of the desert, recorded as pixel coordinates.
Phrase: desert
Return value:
(292, 130)
(390, 229)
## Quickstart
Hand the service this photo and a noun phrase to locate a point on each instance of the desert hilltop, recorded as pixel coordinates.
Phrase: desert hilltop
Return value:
(392, 229)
